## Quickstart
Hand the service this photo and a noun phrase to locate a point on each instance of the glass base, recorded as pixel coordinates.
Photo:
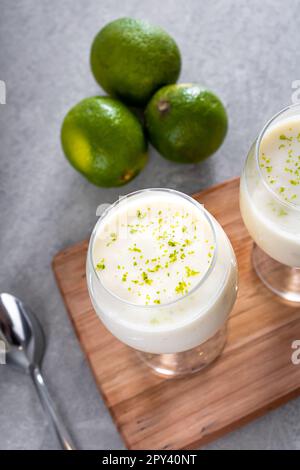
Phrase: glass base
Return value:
(186, 362)
(279, 278)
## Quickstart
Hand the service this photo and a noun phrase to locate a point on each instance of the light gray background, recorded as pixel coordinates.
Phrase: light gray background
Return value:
(247, 51)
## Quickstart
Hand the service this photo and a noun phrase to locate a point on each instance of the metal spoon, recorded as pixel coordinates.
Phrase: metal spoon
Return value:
(25, 344)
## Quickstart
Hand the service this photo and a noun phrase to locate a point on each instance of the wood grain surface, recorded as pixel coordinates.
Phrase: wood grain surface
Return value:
(254, 374)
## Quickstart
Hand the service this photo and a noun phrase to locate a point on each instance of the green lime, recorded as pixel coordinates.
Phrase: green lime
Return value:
(104, 141)
(186, 122)
(131, 59)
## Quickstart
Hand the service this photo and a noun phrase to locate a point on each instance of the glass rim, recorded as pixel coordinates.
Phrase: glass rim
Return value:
(257, 148)
(199, 206)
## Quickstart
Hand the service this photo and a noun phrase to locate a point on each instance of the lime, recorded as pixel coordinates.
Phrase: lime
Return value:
(104, 141)
(131, 59)
(186, 122)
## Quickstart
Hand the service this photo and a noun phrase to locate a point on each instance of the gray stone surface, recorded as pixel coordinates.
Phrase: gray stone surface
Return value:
(246, 51)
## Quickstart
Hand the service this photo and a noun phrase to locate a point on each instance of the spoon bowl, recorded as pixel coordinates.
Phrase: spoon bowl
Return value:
(21, 332)
(25, 346)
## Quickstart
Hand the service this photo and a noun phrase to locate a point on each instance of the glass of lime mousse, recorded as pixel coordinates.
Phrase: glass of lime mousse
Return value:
(162, 277)
(270, 203)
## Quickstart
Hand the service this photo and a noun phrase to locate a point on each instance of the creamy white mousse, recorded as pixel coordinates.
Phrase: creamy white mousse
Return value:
(154, 249)
(279, 159)
(161, 272)
(270, 195)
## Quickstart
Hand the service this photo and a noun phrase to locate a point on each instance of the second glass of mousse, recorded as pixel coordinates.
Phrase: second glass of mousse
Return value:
(270, 203)
(162, 277)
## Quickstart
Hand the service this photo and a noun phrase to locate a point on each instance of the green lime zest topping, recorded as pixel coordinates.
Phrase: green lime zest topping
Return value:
(191, 272)
(155, 269)
(284, 137)
(173, 256)
(113, 238)
(181, 288)
(282, 213)
(135, 249)
(140, 215)
(146, 279)
(100, 266)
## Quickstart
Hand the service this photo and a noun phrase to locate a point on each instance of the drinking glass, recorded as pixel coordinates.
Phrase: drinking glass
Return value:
(273, 223)
(197, 334)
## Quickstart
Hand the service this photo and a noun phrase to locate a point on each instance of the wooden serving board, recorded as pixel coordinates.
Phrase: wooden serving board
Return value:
(254, 374)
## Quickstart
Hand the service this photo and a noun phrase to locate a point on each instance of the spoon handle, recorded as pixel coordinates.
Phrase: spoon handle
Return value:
(50, 409)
